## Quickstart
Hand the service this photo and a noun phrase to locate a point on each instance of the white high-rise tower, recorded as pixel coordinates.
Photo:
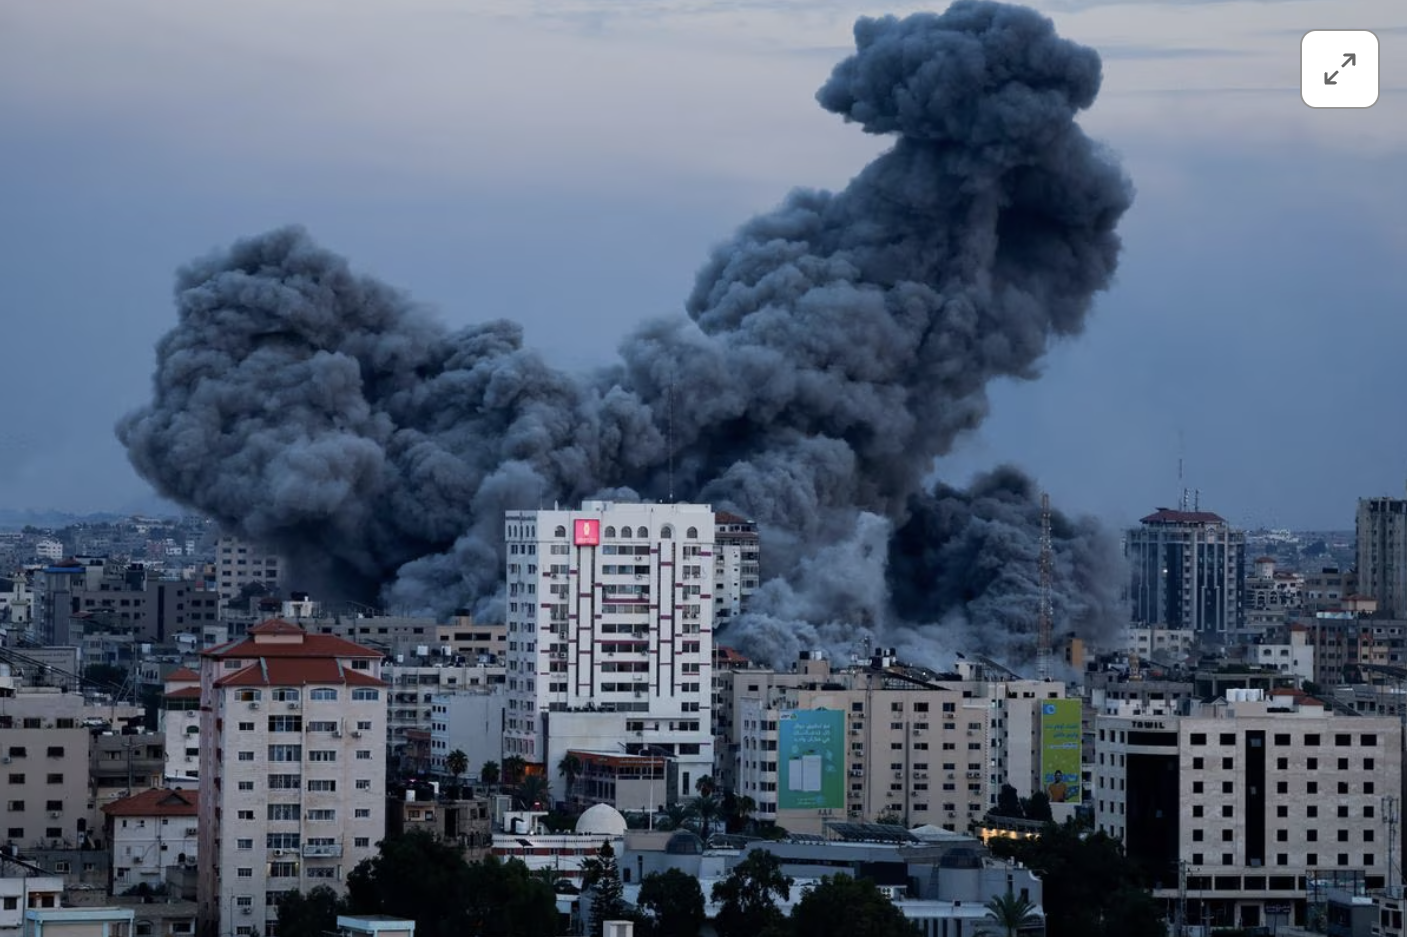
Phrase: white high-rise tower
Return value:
(610, 634)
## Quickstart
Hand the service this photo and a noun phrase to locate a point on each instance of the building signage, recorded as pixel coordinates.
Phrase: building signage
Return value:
(1061, 742)
(811, 759)
(587, 531)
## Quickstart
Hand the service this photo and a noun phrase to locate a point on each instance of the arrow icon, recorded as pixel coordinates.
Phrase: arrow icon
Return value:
(1350, 58)
(1329, 79)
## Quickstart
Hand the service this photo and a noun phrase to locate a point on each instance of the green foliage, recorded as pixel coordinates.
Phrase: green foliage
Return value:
(489, 773)
(415, 877)
(310, 915)
(570, 769)
(749, 895)
(1011, 912)
(602, 876)
(533, 793)
(673, 904)
(1037, 807)
(1008, 803)
(512, 770)
(1090, 888)
(841, 906)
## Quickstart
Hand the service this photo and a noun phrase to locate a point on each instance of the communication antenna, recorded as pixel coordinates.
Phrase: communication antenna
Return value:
(1043, 622)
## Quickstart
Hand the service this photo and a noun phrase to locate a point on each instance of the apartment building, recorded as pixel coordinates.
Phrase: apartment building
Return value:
(737, 569)
(22, 892)
(179, 724)
(412, 691)
(44, 744)
(913, 745)
(610, 634)
(1272, 596)
(1327, 588)
(148, 834)
(123, 763)
(1188, 568)
(239, 563)
(1254, 796)
(1346, 645)
(470, 721)
(1382, 553)
(1160, 645)
(292, 770)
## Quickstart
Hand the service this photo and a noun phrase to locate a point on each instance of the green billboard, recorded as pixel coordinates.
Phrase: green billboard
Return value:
(1061, 744)
(811, 759)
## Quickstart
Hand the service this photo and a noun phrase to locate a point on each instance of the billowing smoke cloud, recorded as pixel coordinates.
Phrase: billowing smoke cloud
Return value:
(832, 349)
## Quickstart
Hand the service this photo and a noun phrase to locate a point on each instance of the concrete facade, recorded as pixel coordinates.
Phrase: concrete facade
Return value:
(1187, 571)
(1382, 553)
(292, 772)
(1255, 796)
(610, 618)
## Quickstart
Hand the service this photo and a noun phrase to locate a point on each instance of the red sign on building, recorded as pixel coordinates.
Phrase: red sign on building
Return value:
(588, 532)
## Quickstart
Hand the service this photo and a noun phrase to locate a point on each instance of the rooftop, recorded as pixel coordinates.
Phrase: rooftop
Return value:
(158, 802)
(1169, 516)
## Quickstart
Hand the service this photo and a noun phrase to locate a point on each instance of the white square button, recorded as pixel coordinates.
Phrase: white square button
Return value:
(1339, 68)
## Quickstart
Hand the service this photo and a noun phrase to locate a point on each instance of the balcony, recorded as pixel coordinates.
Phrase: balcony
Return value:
(322, 852)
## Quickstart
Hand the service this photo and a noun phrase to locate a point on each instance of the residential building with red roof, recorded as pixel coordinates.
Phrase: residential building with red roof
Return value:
(180, 724)
(149, 833)
(292, 770)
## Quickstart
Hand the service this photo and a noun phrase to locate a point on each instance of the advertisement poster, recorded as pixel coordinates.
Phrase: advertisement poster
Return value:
(1061, 741)
(811, 759)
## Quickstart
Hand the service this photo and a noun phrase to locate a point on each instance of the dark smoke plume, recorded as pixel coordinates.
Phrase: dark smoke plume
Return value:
(832, 349)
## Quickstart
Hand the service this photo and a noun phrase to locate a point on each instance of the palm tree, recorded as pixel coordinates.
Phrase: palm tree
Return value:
(570, 768)
(513, 769)
(457, 763)
(1011, 913)
(705, 808)
(533, 792)
(705, 786)
(743, 809)
(489, 773)
(673, 817)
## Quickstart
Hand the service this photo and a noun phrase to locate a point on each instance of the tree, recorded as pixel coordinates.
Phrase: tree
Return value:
(533, 793)
(513, 767)
(705, 786)
(1011, 912)
(841, 906)
(1037, 807)
(1089, 887)
(741, 815)
(1008, 803)
(673, 903)
(570, 769)
(704, 809)
(310, 915)
(415, 877)
(602, 876)
(749, 895)
(457, 763)
(489, 773)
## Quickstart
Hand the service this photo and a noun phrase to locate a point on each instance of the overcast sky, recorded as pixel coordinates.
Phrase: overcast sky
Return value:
(569, 164)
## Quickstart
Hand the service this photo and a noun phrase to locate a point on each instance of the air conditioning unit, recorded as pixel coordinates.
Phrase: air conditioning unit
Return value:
(337, 733)
(253, 705)
(295, 705)
(280, 852)
(246, 910)
(356, 735)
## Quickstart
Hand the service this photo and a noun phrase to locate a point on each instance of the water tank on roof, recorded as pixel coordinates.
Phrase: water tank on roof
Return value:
(422, 650)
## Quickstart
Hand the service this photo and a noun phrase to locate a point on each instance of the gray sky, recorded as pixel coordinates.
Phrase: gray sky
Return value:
(568, 163)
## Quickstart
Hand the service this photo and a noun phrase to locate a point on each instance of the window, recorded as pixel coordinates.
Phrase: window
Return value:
(285, 782)
(1368, 740)
(322, 815)
(1198, 738)
(244, 872)
(285, 723)
(363, 694)
(243, 727)
(328, 755)
(246, 815)
(246, 756)
(285, 694)
(246, 785)
(244, 844)
(282, 812)
(323, 693)
(363, 754)
(1228, 738)
(362, 842)
(322, 784)
(59, 779)
(281, 841)
(363, 813)
(363, 784)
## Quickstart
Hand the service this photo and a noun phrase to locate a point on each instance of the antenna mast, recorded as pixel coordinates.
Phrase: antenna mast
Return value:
(1043, 621)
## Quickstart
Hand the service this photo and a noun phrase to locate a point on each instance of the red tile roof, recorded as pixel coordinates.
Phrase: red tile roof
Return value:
(185, 692)
(280, 671)
(158, 802)
(1169, 516)
(276, 626)
(728, 517)
(183, 675)
(310, 645)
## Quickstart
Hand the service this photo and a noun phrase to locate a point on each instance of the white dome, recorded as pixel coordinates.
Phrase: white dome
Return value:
(601, 820)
